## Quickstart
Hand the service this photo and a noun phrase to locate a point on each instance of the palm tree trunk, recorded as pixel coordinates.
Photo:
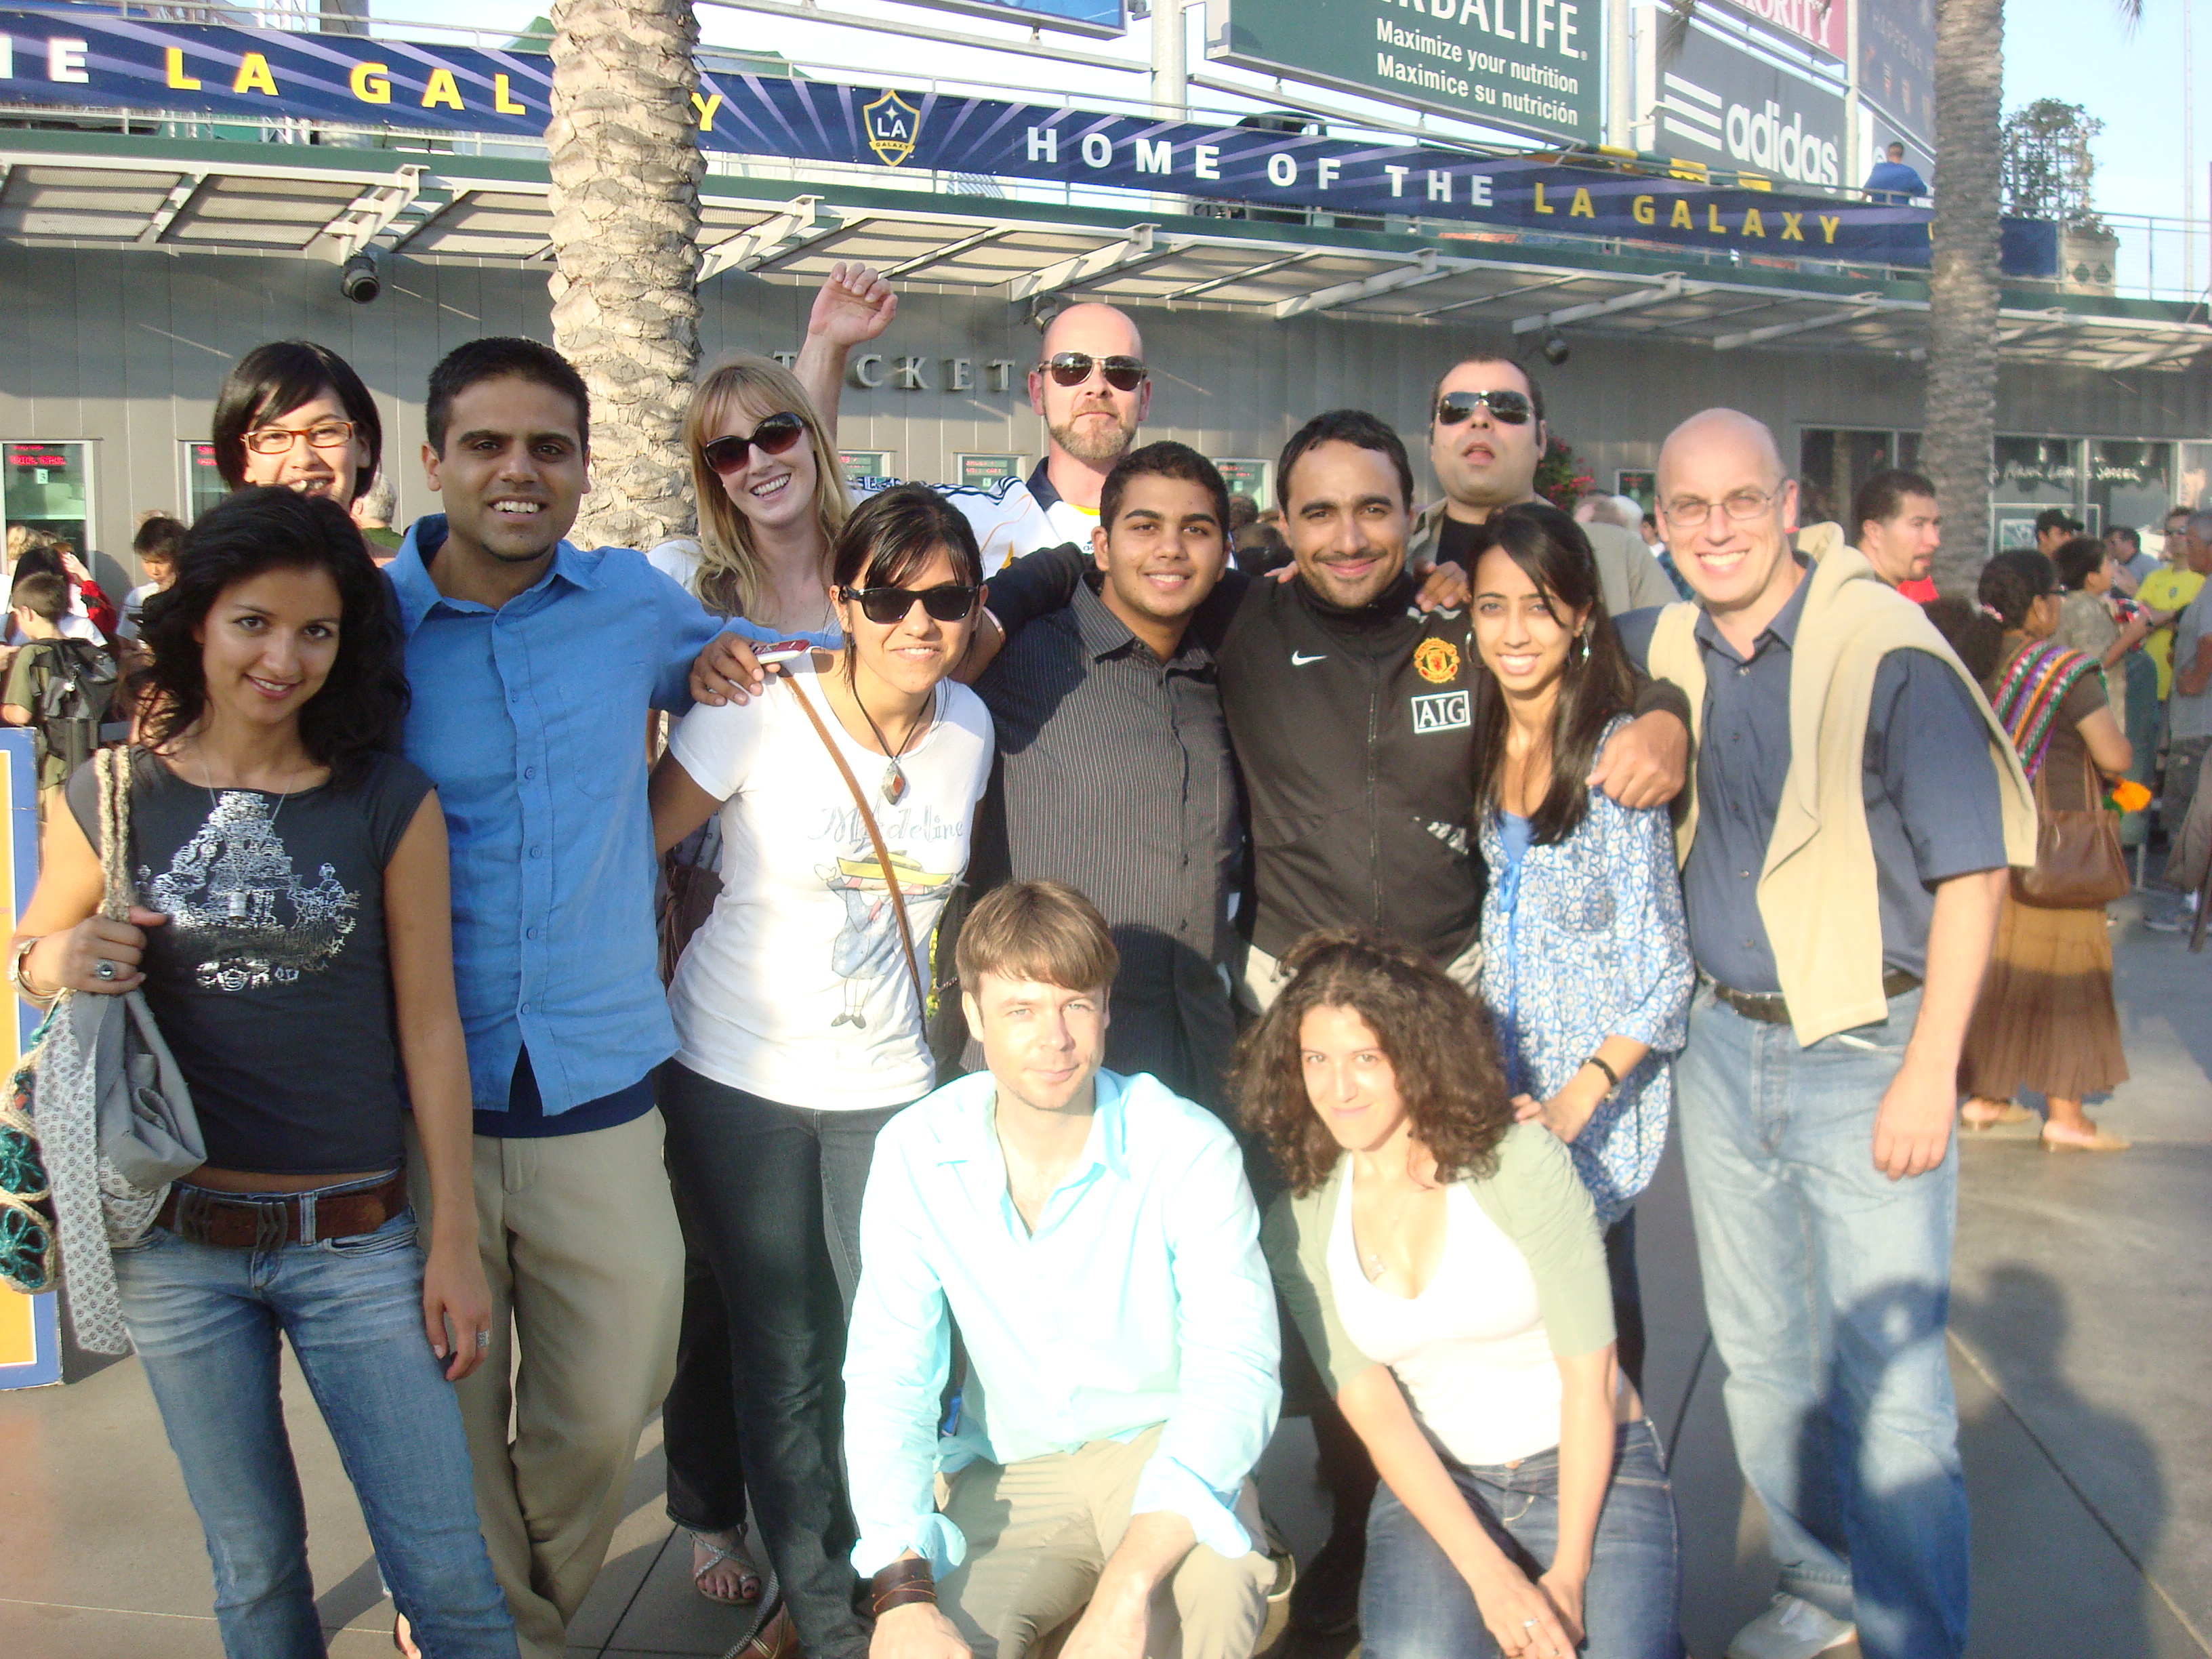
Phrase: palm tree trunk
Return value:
(1958, 437)
(625, 164)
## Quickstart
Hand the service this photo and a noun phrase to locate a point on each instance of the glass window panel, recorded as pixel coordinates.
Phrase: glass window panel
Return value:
(1833, 462)
(203, 484)
(48, 487)
(2193, 487)
(2130, 483)
(2037, 472)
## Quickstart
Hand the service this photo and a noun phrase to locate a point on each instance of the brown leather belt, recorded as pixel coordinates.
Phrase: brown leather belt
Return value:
(262, 1223)
(1769, 1008)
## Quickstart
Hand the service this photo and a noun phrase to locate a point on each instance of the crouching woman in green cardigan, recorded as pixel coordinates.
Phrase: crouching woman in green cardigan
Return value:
(1445, 1267)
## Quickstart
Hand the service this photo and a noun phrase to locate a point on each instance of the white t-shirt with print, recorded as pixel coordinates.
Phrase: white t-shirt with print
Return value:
(1008, 519)
(796, 988)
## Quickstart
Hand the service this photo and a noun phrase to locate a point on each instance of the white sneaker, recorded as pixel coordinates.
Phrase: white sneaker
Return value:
(1793, 1628)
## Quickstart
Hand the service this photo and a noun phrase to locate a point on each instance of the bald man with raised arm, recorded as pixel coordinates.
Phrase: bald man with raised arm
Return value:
(1089, 386)
(1855, 807)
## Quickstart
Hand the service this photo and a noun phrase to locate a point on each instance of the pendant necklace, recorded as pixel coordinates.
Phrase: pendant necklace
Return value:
(894, 783)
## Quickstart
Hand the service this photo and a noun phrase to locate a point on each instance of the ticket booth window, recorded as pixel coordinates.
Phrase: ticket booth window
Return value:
(203, 484)
(48, 486)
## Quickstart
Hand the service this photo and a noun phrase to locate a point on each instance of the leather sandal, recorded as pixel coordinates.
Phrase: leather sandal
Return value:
(777, 1639)
(2010, 1112)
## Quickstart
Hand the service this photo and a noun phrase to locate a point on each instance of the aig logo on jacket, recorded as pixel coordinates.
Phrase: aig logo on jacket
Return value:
(1436, 661)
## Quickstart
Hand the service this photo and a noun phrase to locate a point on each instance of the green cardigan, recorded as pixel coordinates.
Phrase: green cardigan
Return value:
(1537, 1201)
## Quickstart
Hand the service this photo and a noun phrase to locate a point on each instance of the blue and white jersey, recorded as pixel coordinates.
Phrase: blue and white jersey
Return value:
(1010, 518)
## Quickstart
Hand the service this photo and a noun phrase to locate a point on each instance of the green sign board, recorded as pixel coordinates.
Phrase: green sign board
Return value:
(860, 464)
(1532, 65)
(982, 472)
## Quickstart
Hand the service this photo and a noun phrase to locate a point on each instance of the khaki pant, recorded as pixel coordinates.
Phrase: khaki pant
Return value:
(1039, 1533)
(579, 1239)
(1264, 978)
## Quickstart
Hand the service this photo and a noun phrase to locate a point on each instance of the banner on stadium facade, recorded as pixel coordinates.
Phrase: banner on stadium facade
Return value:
(1099, 17)
(81, 59)
(1530, 65)
(1715, 101)
(1820, 26)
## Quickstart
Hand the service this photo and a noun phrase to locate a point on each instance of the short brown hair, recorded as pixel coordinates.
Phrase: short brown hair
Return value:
(1437, 1037)
(1037, 930)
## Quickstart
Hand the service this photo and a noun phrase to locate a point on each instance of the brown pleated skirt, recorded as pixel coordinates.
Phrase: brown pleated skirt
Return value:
(2045, 1020)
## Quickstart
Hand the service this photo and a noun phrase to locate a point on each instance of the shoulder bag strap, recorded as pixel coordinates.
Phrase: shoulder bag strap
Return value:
(875, 839)
(114, 771)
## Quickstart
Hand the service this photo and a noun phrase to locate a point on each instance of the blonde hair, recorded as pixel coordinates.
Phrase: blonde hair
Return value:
(729, 579)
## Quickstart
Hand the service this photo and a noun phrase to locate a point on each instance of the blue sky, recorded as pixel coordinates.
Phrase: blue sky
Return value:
(2080, 50)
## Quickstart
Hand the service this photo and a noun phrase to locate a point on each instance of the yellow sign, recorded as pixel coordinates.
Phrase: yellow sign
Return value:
(1436, 661)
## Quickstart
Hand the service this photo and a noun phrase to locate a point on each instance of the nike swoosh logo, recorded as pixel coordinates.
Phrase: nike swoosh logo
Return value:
(1299, 660)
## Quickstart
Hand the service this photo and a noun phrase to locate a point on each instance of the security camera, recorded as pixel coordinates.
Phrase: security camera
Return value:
(358, 280)
(1556, 349)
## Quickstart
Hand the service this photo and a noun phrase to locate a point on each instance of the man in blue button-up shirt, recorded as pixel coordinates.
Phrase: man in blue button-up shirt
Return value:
(1093, 1238)
(533, 665)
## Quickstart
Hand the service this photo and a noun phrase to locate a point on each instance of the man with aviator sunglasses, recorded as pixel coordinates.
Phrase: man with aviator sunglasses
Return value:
(1486, 433)
(1090, 385)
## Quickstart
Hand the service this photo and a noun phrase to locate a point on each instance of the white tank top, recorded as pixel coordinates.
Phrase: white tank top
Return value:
(1470, 1350)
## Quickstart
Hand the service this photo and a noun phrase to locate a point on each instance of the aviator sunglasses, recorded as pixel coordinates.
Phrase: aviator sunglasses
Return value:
(775, 434)
(1073, 368)
(1512, 407)
(947, 603)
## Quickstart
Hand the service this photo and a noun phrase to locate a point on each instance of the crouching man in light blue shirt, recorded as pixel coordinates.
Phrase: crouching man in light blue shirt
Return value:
(1093, 1239)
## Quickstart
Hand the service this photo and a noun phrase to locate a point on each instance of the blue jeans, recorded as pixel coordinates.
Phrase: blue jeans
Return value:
(1414, 1605)
(1827, 1287)
(207, 1321)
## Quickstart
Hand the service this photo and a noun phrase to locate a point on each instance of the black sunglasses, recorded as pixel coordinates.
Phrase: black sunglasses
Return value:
(775, 434)
(946, 603)
(1073, 368)
(1512, 407)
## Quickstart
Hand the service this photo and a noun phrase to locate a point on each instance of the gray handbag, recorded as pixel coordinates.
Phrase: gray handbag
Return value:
(114, 1118)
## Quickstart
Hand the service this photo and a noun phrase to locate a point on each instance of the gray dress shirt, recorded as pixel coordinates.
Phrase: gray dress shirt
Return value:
(1114, 776)
(1932, 805)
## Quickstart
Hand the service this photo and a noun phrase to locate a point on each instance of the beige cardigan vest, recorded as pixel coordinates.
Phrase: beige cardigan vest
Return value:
(1817, 892)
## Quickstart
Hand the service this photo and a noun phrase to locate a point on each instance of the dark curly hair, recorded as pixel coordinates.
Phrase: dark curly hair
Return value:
(1437, 1038)
(358, 711)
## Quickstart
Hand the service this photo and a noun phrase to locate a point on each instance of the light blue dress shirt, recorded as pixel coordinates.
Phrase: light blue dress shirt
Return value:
(1142, 1299)
(531, 720)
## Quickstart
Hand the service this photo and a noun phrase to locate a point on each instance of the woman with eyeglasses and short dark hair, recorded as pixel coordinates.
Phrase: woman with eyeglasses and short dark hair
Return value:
(294, 413)
(800, 1005)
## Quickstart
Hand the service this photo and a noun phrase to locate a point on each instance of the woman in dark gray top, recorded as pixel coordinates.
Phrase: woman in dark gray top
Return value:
(291, 931)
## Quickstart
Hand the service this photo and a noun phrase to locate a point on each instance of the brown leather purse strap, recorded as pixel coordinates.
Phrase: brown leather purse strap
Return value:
(875, 839)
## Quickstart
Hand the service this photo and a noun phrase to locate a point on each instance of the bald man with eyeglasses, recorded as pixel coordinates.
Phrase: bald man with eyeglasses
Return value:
(1089, 385)
(1487, 435)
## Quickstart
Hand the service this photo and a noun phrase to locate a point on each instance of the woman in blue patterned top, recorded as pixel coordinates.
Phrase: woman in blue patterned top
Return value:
(1586, 960)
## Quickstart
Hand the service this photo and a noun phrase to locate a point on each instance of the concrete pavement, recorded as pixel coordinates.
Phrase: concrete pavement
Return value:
(2081, 1340)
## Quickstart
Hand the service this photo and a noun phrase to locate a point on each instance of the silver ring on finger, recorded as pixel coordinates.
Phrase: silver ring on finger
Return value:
(104, 970)
(483, 1338)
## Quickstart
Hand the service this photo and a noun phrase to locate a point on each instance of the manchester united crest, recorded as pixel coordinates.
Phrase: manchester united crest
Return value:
(892, 124)
(1436, 661)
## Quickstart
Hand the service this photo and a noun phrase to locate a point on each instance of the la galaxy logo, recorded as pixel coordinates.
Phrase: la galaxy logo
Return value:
(892, 125)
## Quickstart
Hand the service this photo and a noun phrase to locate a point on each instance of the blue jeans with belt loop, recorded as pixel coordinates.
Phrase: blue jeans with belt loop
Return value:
(1827, 1287)
(1414, 1605)
(207, 1322)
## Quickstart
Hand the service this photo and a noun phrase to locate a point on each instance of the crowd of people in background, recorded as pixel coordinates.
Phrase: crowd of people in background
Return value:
(975, 1004)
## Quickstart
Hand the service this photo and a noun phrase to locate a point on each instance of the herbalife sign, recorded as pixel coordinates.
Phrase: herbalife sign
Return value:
(1532, 65)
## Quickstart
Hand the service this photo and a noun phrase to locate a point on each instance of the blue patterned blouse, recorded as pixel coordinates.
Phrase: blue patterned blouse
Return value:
(1583, 940)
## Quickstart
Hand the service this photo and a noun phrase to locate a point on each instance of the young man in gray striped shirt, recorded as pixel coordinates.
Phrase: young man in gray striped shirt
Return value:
(1115, 774)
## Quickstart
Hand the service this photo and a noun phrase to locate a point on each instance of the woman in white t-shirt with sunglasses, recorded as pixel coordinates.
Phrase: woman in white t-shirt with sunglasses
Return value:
(800, 1003)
